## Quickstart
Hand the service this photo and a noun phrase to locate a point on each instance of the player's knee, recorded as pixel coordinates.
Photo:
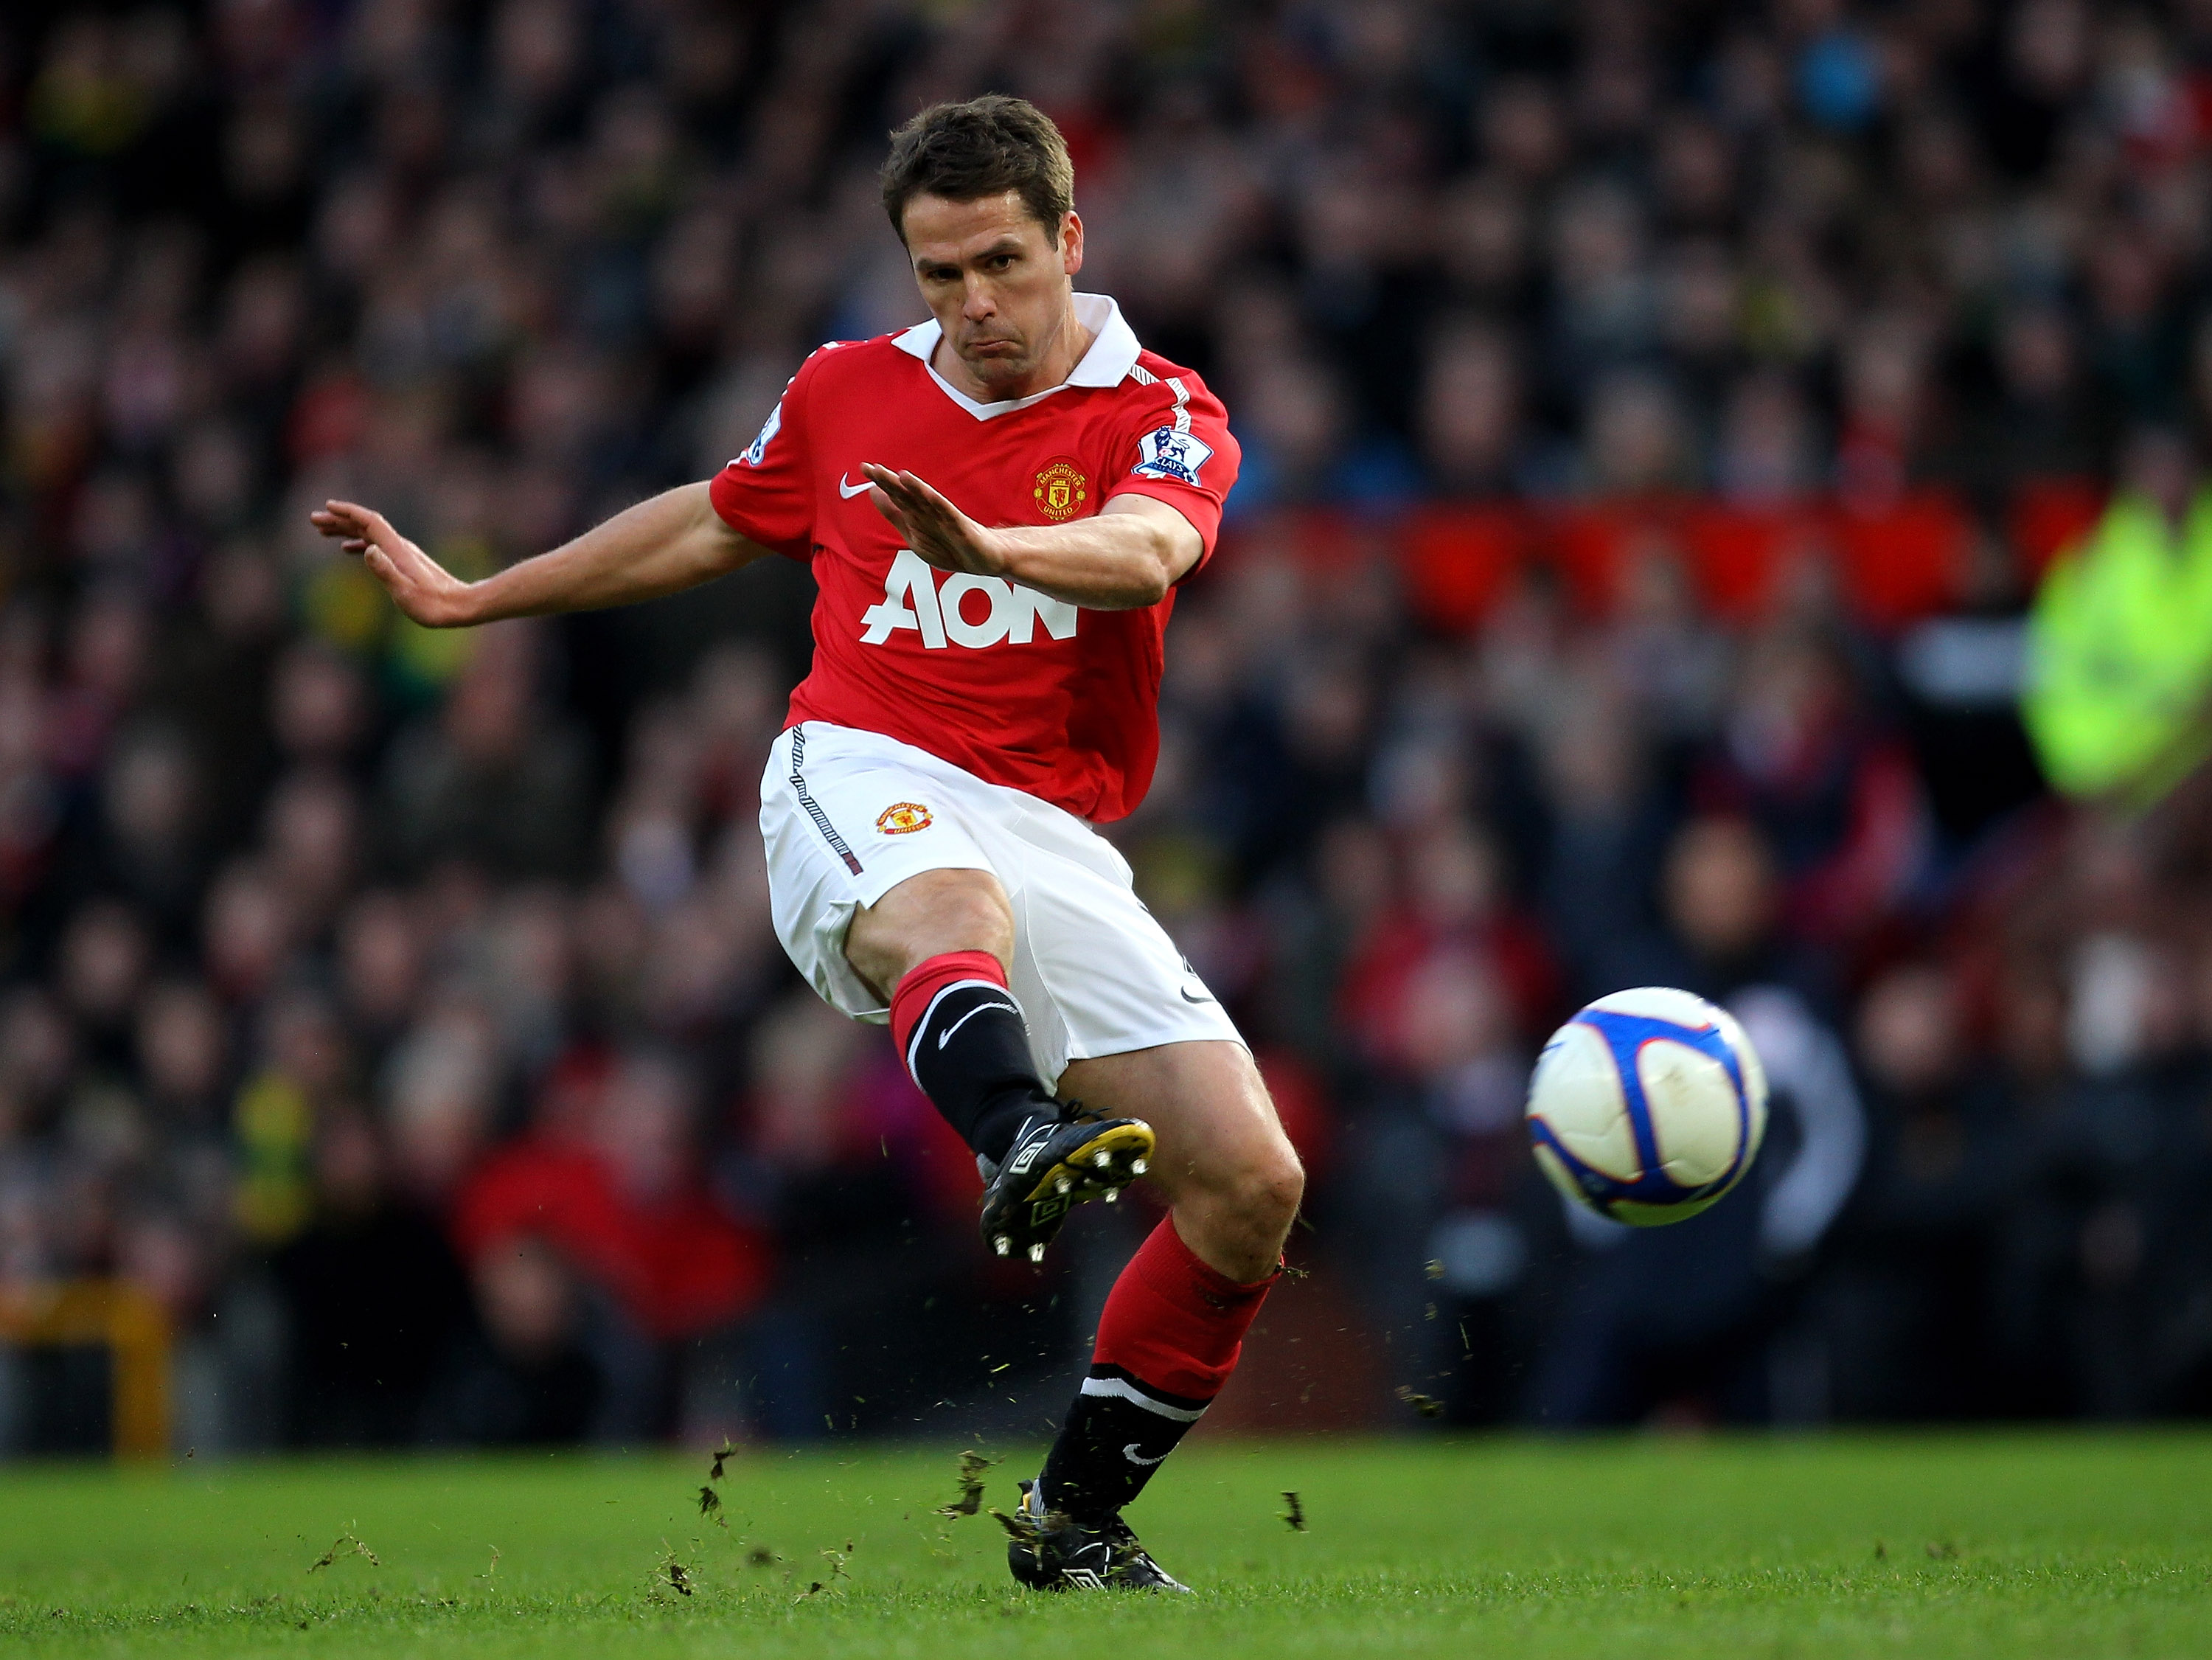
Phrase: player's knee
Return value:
(1270, 1187)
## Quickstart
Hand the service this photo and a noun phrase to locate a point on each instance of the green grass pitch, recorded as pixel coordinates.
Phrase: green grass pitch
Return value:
(2058, 1546)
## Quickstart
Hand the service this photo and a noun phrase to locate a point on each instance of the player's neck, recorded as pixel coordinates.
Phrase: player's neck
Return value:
(1068, 347)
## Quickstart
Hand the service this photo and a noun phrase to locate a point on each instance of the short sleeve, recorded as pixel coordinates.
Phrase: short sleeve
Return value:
(768, 493)
(1183, 454)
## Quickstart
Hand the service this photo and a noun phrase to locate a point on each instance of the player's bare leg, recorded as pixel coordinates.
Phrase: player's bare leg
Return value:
(1229, 1174)
(1175, 1323)
(937, 948)
(928, 915)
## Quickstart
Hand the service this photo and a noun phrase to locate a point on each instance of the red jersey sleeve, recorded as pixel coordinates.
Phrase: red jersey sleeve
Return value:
(768, 493)
(1183, 454)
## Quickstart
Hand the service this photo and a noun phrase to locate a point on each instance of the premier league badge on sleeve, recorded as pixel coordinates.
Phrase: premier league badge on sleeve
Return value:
(757, 450)
(1165, 453)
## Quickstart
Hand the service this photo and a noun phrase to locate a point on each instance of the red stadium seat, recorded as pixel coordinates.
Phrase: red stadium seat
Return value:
(1733, 552)
(1903, 561)
(1458, 558)
(2047, 513)
(1592, 545)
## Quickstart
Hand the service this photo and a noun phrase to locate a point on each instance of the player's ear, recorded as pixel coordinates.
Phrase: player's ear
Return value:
(1071, 243)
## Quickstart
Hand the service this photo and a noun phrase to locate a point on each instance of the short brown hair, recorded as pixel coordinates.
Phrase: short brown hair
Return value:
(985, 147)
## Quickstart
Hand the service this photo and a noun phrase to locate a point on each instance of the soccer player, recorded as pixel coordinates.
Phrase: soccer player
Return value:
(997, 506)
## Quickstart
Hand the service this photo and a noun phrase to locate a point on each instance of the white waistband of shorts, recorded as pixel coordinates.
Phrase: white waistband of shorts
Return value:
(827, 735)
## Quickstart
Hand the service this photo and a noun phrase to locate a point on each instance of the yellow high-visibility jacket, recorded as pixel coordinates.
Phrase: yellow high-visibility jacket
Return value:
(2118, 695)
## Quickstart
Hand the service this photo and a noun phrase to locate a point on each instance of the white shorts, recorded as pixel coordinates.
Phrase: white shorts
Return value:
(849, 815)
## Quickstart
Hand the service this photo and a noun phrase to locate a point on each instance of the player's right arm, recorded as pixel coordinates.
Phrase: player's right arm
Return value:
(668, 542)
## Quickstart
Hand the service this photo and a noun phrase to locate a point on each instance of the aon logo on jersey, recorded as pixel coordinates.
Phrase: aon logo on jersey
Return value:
(968, 610)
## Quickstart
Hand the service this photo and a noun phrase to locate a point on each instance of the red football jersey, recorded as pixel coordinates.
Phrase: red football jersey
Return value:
(1013, 686)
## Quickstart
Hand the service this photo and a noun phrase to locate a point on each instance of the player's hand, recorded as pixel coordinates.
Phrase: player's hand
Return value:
(421, 588)
(943, 535)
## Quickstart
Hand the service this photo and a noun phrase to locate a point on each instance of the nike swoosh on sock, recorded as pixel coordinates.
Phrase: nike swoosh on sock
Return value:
(945, 1036)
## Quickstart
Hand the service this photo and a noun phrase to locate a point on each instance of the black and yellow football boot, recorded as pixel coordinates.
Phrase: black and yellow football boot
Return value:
(1055, 1165)
(1048, 1551)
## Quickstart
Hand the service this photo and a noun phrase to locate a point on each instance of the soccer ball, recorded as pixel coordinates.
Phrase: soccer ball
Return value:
(1647, 1106)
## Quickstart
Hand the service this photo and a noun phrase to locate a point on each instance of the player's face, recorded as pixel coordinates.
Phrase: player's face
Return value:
(996, 283)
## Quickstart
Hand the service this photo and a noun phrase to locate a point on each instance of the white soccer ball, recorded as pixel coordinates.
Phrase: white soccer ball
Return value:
(1647, 1106)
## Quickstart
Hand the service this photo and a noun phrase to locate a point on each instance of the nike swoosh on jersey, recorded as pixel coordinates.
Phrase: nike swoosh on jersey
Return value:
(1129, 1452)
(848, 491)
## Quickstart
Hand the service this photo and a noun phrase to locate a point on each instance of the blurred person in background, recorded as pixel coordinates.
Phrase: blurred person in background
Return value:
(522, 1376)
(1444, 1265)
(1702, 1321)
(1947, 1151)
(609, 1180)
(375, 1299)
(2120, 636)
(1803, 753)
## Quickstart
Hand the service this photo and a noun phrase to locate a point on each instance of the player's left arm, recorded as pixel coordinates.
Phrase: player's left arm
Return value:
(1126, 556)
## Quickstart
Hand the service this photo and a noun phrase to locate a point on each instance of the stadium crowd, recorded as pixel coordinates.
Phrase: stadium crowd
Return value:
(400, 1009)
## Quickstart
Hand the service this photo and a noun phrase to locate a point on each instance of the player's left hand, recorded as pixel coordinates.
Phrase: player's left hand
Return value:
(943, 535)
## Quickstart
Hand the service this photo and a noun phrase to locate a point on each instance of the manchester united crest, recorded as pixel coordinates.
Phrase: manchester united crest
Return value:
(1061, 490)
(902, 818)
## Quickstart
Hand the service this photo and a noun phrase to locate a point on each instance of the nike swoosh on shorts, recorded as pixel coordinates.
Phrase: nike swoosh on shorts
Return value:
(848, 491)
(1187, 998)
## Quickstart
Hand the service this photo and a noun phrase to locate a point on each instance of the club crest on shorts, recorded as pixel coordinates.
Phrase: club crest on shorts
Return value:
(904, 818)
(1061, 489)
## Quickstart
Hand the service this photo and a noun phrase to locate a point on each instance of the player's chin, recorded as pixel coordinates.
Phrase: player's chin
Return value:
(998, 368)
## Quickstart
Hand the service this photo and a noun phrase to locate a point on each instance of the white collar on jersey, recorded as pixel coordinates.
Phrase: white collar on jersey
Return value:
(1113, 354)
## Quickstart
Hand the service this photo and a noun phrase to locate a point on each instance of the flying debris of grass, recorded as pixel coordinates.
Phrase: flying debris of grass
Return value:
(1427, 1405)
(1293, 1512)
(1019, 1529)
(344, 1545)
(678, 1576)
(970, 1477)
(710, 1502)
(493, 1568)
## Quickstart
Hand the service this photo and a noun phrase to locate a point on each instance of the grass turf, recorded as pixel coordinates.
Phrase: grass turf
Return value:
(2059, 1546)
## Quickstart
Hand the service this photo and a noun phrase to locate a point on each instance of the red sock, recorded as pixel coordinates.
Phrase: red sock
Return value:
(924, 979)
(1169, 1337)
(1173, 1323)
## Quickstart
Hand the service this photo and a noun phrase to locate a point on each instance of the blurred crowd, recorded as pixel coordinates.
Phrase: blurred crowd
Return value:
(400, 1009)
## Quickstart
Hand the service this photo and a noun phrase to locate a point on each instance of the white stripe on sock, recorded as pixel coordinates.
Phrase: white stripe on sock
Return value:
(1121, 1389)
